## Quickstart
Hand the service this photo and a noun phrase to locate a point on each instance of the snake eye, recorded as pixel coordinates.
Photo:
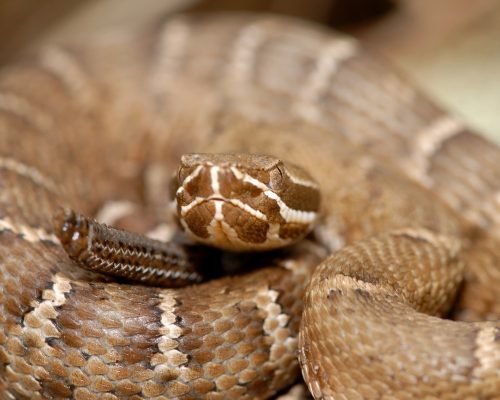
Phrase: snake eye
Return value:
(276, 178)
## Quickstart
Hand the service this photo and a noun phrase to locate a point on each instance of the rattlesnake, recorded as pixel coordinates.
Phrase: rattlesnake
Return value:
(403, 184)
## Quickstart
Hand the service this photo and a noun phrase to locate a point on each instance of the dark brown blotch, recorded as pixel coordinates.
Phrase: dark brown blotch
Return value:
(199, 217)
(299, 197)
(248, 228)
(293, 231)
(234, 188)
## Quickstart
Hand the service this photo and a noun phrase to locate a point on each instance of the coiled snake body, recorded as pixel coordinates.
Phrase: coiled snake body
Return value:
(409, 210)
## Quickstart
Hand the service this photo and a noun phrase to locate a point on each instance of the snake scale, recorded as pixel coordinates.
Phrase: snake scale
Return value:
(410, 213)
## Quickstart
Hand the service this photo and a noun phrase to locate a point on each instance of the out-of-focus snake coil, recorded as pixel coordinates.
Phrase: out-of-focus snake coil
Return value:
(410, 214)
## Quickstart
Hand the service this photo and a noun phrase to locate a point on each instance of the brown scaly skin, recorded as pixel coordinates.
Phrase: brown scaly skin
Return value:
(83, 125)
(366, 291)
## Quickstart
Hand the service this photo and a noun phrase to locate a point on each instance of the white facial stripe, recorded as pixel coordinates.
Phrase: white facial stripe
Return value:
(220, 231)
(289, 214)
(218, 202)
(302, 182)
(299, 217)
(215, 184)
(255, 182)
(237, 173)
(214, 176)
(296, 180)
(194, 203)
(248, 179)
(252, 211)
(219, 228)
(189, 178)
(218, 216)
(273, 234)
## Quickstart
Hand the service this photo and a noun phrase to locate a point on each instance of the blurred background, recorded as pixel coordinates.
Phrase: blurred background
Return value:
(451, 48)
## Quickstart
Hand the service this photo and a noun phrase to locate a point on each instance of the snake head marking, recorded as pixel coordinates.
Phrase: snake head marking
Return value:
(244, 202)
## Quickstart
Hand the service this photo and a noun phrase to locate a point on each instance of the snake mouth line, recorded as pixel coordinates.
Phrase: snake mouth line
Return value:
(288, 214)
(234, 202)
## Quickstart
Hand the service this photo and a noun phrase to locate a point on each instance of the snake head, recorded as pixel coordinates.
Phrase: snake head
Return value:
(244, 202)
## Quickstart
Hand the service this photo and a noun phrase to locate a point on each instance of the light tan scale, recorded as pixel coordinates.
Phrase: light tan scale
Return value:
(408, 224)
